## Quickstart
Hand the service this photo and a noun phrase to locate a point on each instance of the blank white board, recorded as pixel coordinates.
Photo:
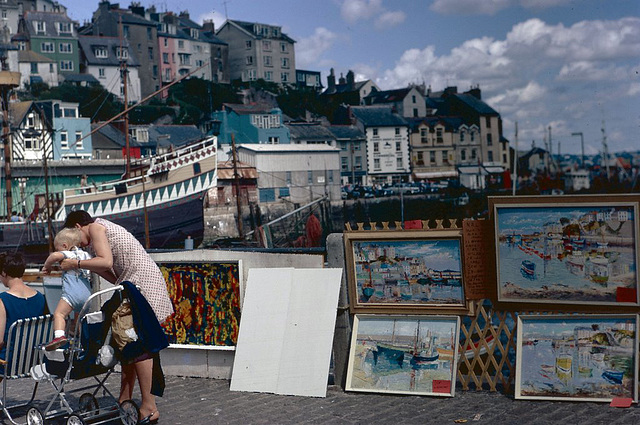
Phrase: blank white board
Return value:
(286, 331)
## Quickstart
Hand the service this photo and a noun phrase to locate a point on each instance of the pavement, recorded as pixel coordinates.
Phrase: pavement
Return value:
(209, 401)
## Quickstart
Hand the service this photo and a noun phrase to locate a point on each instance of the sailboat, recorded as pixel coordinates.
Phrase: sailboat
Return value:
(159, 199)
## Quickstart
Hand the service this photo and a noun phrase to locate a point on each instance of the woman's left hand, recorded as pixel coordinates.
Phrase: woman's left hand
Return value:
(69, 264)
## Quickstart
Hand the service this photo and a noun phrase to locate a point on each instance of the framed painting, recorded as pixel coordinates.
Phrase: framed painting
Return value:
(404, 355)
(577, 358)
(410, 271)
(206, 300)
(567, 250)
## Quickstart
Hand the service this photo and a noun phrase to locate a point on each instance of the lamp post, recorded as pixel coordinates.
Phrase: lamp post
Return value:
(579, 133)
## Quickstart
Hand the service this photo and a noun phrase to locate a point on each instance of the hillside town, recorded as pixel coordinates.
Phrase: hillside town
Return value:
(341, 139)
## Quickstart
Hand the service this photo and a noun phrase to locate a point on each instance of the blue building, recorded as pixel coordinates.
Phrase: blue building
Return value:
(255, 123)
(71, 138)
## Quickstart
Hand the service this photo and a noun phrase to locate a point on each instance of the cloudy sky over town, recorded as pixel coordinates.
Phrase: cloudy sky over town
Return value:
(568, 64)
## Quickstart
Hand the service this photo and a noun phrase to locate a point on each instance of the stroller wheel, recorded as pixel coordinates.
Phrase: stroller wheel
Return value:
(35, 416)
(129, 412)
(88, 404)
(75, 420)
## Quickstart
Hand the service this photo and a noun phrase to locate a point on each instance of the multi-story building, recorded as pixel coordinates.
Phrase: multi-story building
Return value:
(104, 58)
(352, 143)
(53, 35)
(433, 147)
(408, 102)
(387, 143)
(72, 136)
(31, 134)
(142, 35)
(259, 51)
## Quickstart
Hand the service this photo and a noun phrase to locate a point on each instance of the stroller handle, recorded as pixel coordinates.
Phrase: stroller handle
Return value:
(93, 296)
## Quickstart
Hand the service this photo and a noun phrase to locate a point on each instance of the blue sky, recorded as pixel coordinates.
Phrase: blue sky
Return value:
(568, 64)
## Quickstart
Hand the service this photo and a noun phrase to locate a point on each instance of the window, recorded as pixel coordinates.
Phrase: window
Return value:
(22, 45)
(288, 177)
(101, 73)
(489, 140)
(474, 154)
(397, 131)
(122, 53)
(445, 157)
(184, 58)
(251, 74)
(149, 34)
(166, 42)
(376, 163)
(462, 136)
(310, 177)
(399, 163)
(358, 165)
(415, 112)
(413, 98)
(284, 77)
(330, 173)
(356, 146)
(66, 65)
(247, 44)
(490, 156)
(65, 48)
(125, 31)
(284, 48)
(79, 140)
(284, 192)
(344, 163)
(268, 75)
(266, 44)
(34, 67)
(463, 155)
(165, 58)
(375, 132)
(439, 138)
(155, 71)
(180, 44)
(432, 157)
(69, 113)
(419, 158)
(376, 147)
(267, 61)
(249, 60)
(47, 47)
(504, 158)
(64, 141)
(285, 62)
(398, 147)
(41, 27)
(267, 195)
(167, 74)
(423, 135)
(4, 14)
(273, 140)
(488, 121)
(51, 68)
(100, 52)
(472, 136)
(64, 28)
(150, 53)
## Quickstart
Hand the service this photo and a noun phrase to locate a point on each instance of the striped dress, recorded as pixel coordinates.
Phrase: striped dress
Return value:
(131, 262)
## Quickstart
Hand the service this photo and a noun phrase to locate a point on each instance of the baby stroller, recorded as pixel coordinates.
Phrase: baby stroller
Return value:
(83, 358)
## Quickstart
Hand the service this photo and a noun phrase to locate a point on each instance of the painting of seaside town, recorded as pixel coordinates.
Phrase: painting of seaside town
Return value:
(582, 254)
(409, 272)
(591, 358)
(404, 355)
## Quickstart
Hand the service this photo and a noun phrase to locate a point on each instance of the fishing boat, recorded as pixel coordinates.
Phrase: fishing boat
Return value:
(424, 354)
(564, 362)
(599, 270)
(528, 269)
(613, 376)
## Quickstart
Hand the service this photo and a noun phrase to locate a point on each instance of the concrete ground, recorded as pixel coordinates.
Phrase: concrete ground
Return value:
(207, 401)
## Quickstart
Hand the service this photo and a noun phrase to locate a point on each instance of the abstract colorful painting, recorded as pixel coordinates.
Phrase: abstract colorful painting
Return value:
(405, 270)
(569, 357)
(404, 354)
(206, 299)
(568, 252)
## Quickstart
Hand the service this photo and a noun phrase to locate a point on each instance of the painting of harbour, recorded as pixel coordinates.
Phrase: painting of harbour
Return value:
(580, 254)
(590, 358)
(408, 272)
(404, 355)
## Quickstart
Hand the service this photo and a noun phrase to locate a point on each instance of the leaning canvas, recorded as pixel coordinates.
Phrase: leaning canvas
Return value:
(577, 358)
(404, 354)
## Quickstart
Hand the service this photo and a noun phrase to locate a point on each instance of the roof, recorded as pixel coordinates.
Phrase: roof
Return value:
(131, 18)
(245, 171)
(350, 132)
(50, 19)
(18, 110)
(450, 123)
(110, 136)
(31, 56)
(89, 43)
(254, 108)
(346, 87)
(387, 96)
(177, 135)
(80, 78)
(308, 131)
(475, 103)
(377, 116)
(248, 27)
(287, 148)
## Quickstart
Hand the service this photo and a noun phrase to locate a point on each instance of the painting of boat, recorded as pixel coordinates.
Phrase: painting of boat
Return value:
(167, 189)
(402, 354)
(528, 269)
(579, 358)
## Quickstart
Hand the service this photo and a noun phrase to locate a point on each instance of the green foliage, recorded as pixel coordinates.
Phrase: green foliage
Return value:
(146, 114)
(197, 98)
(95, 102)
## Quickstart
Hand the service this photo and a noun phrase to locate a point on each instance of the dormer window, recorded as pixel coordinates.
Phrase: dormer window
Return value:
(195, 33)
(101, 52)
(122, 53)
(41, 27)
(64, 28)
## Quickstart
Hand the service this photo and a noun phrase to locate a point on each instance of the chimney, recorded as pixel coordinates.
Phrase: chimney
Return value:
(209, 26)
(475, 92)
(136, 9)
(341, 80)
(331, 82)
(184, 14)
(351, 80)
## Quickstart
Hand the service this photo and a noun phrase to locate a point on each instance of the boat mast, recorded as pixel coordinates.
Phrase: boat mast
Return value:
(43, 120)
(8, 81)
(123, 76)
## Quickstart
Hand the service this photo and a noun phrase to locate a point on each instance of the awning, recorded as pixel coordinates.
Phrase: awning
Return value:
(436, 174)
(471, 169)
(35, 79)
(494, 169)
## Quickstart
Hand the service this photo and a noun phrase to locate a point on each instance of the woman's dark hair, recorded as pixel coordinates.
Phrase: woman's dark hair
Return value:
(78, 217)
(14, 264)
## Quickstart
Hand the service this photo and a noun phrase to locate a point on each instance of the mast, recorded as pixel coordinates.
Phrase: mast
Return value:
(123, 76)
(236, 183)
(8, 81)
(46, 178)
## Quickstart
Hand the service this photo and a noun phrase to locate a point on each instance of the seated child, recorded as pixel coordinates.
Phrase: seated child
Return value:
(76, 284)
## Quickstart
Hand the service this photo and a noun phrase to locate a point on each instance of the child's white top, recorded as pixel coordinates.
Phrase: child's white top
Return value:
(78, 254)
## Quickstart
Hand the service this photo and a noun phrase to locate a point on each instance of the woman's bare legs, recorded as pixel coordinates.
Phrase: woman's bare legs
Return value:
(143, 371)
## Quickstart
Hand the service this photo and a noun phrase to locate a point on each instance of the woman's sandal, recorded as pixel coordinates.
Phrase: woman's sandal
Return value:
(148, 420)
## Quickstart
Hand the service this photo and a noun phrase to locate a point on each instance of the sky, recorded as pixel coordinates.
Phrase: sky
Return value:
(572, 65)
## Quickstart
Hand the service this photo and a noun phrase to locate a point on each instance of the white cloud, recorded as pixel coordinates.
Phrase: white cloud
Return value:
(356, 10)
(634, 89)
(543, 4)
(469, 7)
(390, 19)
(310, 49)
(214, 16)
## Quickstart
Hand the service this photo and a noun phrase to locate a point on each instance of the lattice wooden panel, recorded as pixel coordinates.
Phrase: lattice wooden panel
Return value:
(487, 360)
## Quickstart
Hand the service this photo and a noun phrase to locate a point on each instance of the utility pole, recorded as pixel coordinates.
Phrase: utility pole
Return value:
(236, 184)
(579, 133)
